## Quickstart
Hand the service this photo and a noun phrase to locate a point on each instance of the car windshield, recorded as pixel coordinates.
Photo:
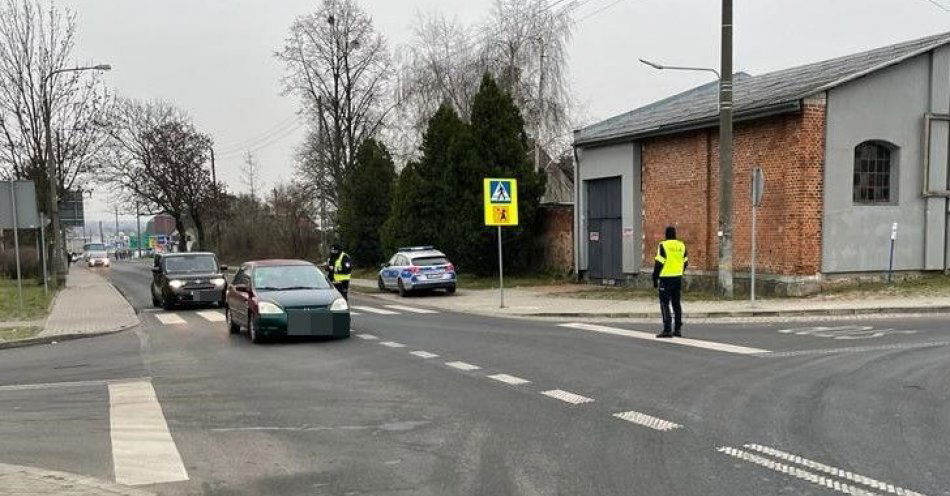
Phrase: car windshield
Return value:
(93, 247)
(421, 261)
(289, 277)
(191, 263)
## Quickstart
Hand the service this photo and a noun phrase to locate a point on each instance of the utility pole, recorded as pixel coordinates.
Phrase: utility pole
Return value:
(725, 156)
(138, 229)
(217, 197)
(102, 238)
(323, 196)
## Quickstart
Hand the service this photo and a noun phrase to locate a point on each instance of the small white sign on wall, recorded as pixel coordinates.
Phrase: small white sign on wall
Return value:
(595, 236)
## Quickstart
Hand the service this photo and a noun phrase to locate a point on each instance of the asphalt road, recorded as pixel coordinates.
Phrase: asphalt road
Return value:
(819, 408)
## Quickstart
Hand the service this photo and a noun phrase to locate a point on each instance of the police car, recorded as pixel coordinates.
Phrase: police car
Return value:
(417, 268)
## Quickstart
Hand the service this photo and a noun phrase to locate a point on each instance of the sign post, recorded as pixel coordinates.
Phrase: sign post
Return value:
(758, 191)
(890, 265)
(501, 209)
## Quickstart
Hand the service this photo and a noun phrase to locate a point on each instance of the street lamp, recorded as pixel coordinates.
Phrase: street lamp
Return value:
(51, 170)
(726, 285)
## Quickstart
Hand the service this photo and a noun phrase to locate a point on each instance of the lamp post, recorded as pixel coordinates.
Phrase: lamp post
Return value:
(726, 286)
(57, 260)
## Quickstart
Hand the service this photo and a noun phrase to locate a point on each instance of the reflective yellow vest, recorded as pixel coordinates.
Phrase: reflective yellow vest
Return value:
(674, 261)
(338, 268)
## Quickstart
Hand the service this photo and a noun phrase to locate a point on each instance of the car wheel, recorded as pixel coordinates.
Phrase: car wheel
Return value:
(155, 301)
(450, 290)
(402, 289)
(380, 283)
(233, 326)
(252, 331)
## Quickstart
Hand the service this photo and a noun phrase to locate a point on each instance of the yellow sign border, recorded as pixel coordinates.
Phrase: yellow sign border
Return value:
(513, 205)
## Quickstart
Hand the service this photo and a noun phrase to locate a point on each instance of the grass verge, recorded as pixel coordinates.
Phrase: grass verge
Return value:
(622, 293)
(10, 334)
(35, 301)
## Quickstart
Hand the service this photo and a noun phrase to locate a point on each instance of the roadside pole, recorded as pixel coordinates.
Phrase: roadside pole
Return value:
(501, 209)
(890, 265)
(758, 191)
(16, 250)
(138, 230)
(501, 272)
(42, 254)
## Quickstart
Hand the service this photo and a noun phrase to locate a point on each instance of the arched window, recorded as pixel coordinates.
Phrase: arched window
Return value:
(875, 173)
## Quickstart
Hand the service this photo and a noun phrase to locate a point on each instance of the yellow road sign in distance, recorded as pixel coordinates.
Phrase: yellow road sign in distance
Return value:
(501, 202)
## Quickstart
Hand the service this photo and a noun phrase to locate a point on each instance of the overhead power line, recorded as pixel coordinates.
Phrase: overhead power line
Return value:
(600, 10)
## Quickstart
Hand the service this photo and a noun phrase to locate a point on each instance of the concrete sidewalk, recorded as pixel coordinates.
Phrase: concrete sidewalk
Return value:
(546, 302)
(88, 305)
(18, 480)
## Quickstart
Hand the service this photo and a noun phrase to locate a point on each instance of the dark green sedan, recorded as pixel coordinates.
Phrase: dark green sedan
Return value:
(280, 298)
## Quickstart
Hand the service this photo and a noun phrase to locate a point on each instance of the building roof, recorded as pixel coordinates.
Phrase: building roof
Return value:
(754, 96)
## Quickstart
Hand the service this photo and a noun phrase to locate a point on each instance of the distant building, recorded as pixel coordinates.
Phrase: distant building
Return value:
(849, 146)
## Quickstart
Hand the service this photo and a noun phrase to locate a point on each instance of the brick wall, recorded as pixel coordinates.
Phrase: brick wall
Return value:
(557, 221)
(681, 187)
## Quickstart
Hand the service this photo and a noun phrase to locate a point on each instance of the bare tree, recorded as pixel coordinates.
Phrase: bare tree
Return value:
(157, 158)
(251, 174)
(340, 68)
(34, 44)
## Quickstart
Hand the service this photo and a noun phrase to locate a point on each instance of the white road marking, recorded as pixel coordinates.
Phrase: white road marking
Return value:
(696, 343)
(798, 473)
(509, 379)
(355, 313)
(567, 397)
(54, 385)
(854, 349)
(368, 337)
(143, 451)
(647, 421)
(169, 318)
(379, 311)
(423, 354)
(212, 316)
(410, 309)
(392, 344)
(837, 472)
(462, 366)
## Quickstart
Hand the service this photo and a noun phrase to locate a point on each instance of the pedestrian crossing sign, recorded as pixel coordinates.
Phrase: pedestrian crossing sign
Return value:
(501, 202)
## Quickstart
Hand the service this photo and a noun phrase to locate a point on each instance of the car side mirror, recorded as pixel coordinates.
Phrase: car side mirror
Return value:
(241, 288)
(223, 268)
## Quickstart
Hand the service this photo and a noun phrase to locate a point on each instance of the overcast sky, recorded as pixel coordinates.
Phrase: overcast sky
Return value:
(214, 58)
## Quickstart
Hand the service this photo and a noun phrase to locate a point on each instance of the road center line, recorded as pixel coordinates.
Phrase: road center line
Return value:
(368, 337)
(379, 311)
(169, 318)
(462, 366)
(696, 343)
(509, 379)
(212, 316)
(392, 344)
(647, 421)
(410, 309)
(567, 397)
(423, 354)
(143, 451)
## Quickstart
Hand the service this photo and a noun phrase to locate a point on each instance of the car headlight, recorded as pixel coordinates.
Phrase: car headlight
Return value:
(339, 305)
(219, 281)
(268, 308)
(176, 284)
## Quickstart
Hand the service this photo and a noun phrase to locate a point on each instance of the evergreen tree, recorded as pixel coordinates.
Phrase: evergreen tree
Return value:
(365, 203)
(503, 149)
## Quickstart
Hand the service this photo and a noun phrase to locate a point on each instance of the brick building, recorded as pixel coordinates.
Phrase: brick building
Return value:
(849, 146)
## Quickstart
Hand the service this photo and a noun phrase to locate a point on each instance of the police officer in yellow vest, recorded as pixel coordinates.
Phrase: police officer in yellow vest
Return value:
(340, 267)
(671, 262)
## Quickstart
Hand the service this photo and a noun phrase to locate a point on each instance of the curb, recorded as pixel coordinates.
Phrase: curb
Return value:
(831, 312)
(62, 337)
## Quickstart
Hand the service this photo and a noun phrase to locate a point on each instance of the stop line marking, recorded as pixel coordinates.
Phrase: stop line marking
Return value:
(143, 451)
(696, 343)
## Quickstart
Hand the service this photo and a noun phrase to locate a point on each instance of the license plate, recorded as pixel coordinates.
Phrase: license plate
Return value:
(436, 276)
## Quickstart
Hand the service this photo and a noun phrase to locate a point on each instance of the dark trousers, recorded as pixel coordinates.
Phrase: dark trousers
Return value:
(671, 289)
(343, 287)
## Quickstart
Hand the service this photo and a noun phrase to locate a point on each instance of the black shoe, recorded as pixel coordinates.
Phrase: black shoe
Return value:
(664, 335)
(677, 334)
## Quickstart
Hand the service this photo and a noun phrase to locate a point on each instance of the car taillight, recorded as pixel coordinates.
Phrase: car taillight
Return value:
(450, 268)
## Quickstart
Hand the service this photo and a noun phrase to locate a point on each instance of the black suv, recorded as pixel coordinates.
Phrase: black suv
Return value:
(187, 278)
